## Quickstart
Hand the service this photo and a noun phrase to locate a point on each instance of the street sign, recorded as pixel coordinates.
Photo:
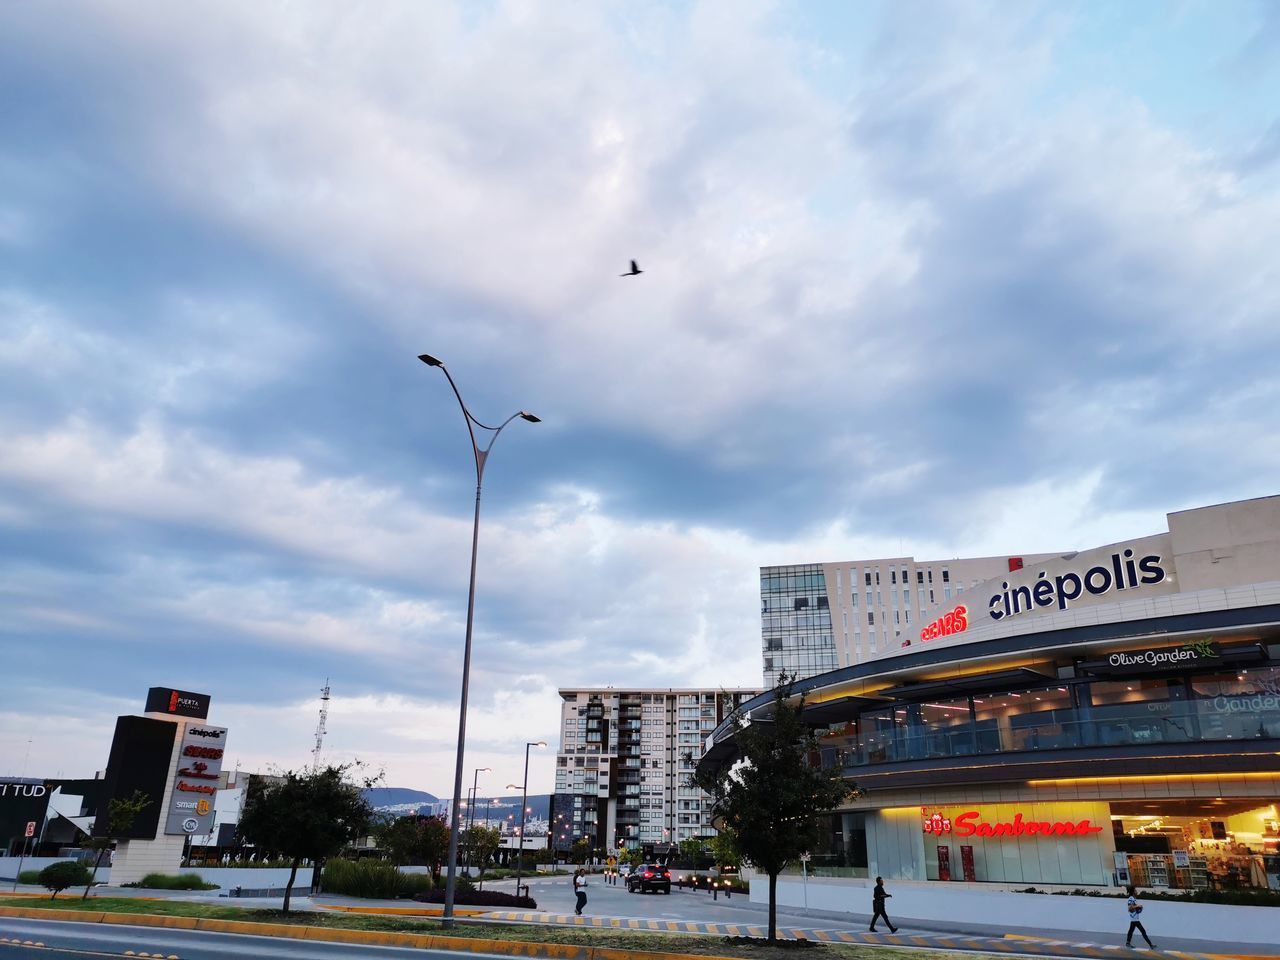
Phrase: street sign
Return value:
(31, 828)
(804, 858)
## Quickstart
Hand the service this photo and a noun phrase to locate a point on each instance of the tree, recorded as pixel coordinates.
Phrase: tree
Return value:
(579, 852)
(774, 797)
(481, 843)
(724, 848)
(310, 815)
(65, 873)
(414, 840)
(120, 816)
(691, 848)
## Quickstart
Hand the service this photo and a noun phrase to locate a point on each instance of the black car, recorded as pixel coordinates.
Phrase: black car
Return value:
(649, 876)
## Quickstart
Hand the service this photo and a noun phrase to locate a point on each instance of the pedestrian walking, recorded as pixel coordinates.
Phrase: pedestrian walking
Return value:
(878, 897)
(1135, 920)
(580, 888)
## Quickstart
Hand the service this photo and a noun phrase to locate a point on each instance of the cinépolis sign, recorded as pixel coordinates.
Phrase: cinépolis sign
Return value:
(1123, 570)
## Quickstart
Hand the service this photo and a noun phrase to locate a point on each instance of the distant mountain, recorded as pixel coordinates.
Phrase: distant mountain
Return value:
(382, 797)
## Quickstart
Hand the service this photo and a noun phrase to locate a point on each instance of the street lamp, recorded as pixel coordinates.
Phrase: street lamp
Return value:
(471, 807)
(481, 456)
(524, 797)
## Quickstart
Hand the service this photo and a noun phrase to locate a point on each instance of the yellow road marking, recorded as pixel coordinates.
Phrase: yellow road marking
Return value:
(823, 935)
(756, 931)
(733, 930)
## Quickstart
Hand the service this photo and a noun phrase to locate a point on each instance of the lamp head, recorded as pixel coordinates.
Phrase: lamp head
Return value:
(429, 360)
(538, 743)
(484, 769)
(513, 786)
(525, 414)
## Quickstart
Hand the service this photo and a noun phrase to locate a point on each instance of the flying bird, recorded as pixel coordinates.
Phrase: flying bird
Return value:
(633, 272)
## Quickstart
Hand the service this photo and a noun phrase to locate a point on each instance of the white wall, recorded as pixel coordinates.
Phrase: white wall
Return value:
(1039, 914)
(9, 866)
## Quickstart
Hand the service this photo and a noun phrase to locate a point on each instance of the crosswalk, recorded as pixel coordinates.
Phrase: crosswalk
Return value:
(1010, 944)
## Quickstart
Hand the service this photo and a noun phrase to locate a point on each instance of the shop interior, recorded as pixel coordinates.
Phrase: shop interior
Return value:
(1208, 843)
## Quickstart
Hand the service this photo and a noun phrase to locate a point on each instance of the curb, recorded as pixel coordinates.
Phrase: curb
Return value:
(397, 911)
(517, 948)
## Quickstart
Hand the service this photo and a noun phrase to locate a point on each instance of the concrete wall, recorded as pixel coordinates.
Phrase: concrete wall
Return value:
(1038, 914)
(251, 878)
(1228, 544)
(9, 866)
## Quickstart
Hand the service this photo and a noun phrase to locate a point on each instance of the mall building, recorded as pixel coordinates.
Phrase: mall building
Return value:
(1091, 718)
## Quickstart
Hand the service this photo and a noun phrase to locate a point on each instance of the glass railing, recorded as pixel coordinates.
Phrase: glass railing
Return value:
(1130, 724)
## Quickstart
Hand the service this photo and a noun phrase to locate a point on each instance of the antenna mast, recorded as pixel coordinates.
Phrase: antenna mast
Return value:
(324, 715)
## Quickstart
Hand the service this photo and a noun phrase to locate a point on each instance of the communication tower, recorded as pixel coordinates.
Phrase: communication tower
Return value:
(324, 715)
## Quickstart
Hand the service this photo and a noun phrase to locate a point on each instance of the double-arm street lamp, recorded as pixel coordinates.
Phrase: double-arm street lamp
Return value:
(471, 807)
(524, 797)
(481, 456)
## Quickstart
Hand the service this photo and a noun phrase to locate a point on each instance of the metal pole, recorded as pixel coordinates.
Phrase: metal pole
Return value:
(481, 456)
(446, 919)
(524, 794)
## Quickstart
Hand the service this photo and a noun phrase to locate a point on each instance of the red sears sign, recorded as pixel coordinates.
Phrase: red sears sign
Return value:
(953, 621)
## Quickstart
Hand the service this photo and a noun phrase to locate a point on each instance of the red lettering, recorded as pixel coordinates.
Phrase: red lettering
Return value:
(209, 753)
(967, 824)
(953, 621)
(964, 824)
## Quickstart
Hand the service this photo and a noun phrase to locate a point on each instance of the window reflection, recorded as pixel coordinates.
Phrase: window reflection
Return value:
(1221, 706)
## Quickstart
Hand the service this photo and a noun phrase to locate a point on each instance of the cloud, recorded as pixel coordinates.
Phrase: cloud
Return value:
(933, 292)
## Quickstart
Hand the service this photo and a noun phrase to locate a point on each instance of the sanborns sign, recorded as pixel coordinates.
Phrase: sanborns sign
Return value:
(968, 825)
(1126, 571)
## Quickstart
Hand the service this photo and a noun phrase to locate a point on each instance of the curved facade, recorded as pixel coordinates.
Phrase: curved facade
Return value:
(1090, 719)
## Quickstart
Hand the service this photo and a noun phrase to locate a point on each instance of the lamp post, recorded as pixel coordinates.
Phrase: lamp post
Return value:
(524, 797)
(471, 808)
(481, 456)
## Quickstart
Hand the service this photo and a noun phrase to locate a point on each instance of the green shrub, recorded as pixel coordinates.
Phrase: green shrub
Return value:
(29, 876)
(169, 881)
(372, 879)
(65, 873)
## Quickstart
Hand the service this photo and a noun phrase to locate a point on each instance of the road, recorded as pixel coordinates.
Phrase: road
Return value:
(608, 906)
(82, 940)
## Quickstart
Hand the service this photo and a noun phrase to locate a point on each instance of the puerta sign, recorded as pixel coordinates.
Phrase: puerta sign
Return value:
(196, 782)
(178, 703)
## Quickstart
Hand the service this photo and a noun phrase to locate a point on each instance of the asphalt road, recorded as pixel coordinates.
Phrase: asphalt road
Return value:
(67, 939)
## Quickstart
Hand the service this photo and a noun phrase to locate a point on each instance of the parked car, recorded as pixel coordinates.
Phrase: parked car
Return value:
(649, 876)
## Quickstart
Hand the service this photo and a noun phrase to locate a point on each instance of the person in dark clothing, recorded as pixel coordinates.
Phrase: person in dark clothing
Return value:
(1135, 912)
(878, 897)
(580, 888)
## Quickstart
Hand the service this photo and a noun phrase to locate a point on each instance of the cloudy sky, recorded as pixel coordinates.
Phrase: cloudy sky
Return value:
(935, 279)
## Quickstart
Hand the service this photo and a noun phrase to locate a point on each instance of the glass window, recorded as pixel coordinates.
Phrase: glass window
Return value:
(946, 576)
(1238, 705)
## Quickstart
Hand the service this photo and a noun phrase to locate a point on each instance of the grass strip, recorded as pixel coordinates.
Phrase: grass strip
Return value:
(633, 940)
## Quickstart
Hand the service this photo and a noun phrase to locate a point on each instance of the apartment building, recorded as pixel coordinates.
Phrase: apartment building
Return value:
(624, 762)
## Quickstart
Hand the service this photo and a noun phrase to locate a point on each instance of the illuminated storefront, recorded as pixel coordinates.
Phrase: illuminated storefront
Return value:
(1098, 718)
